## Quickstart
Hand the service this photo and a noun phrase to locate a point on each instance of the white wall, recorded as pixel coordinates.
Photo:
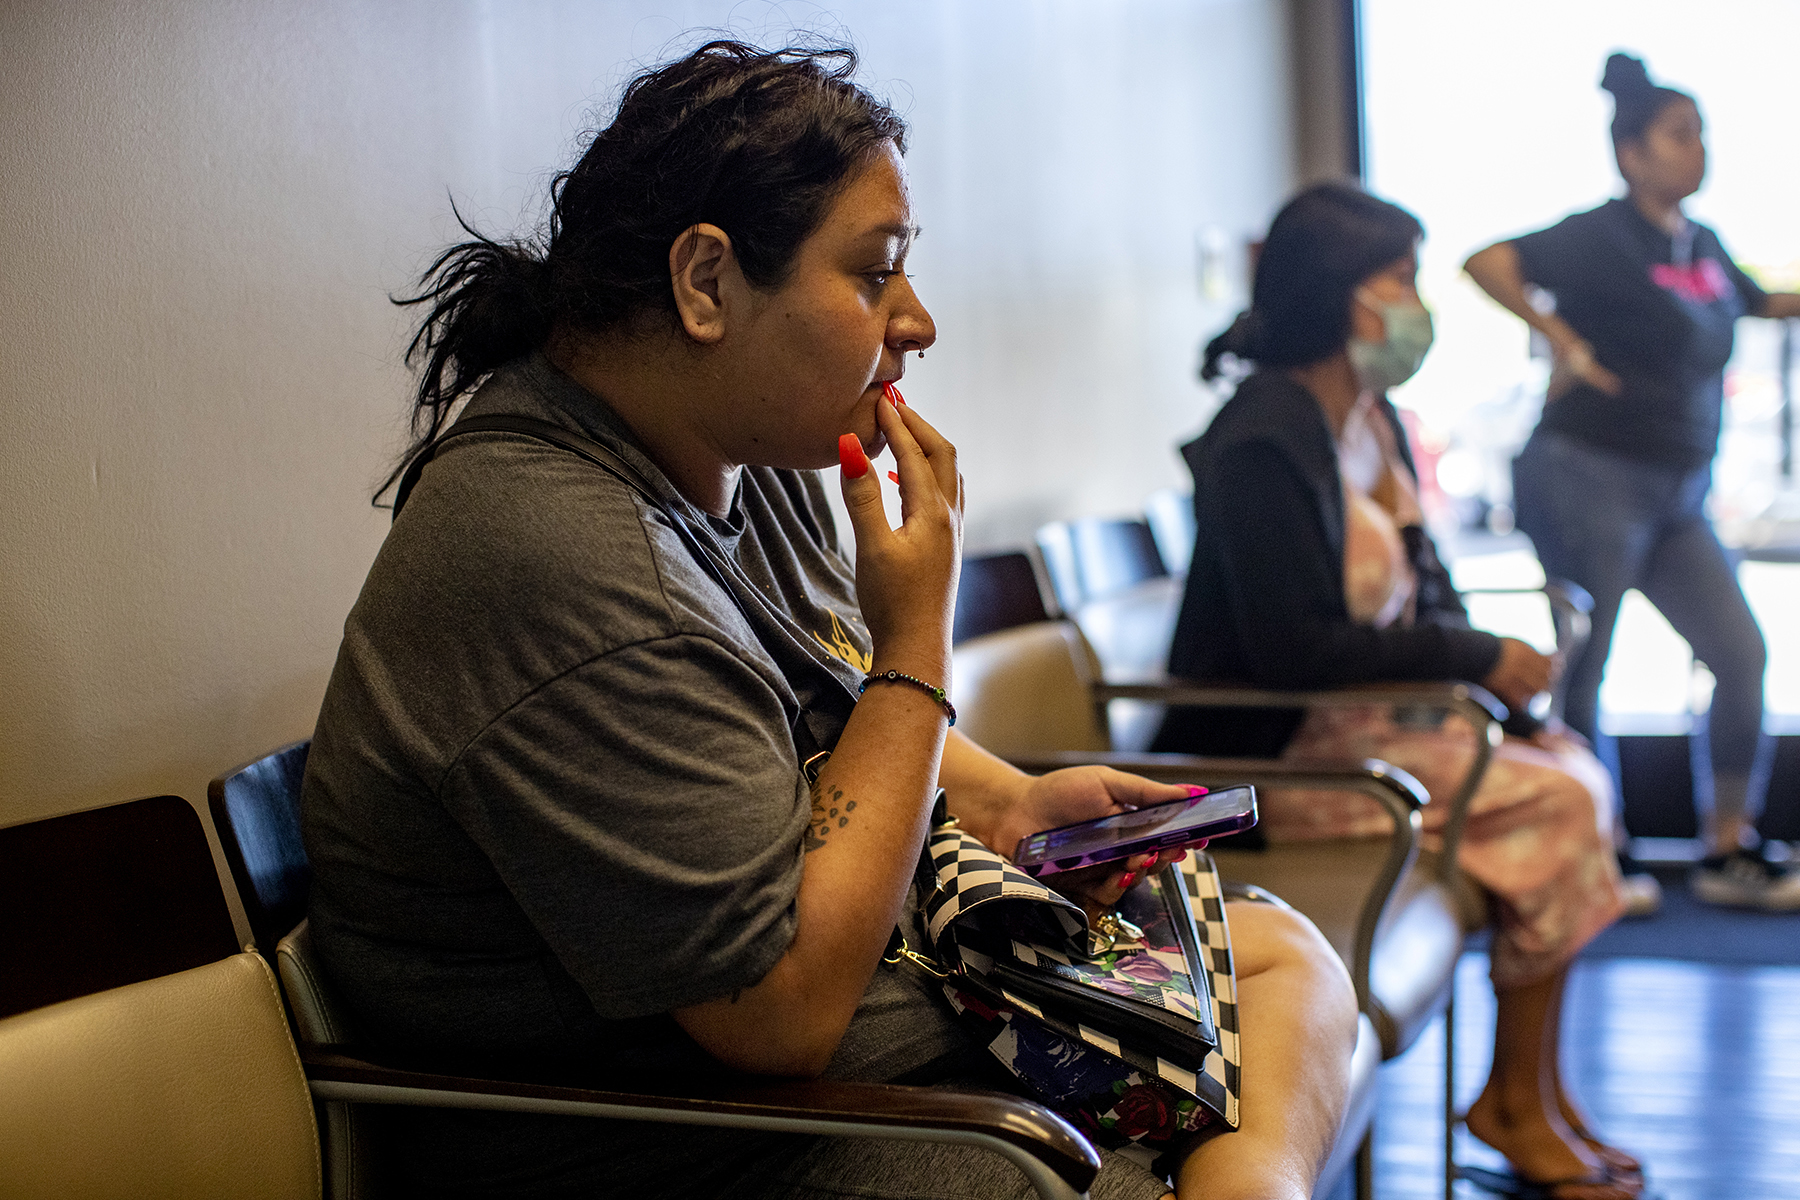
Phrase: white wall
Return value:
(205, 204)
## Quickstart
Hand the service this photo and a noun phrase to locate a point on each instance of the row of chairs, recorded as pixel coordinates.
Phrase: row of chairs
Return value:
(144, 1053)
(1060, 655)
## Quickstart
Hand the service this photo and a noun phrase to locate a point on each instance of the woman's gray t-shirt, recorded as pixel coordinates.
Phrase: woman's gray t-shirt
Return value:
(553, 792)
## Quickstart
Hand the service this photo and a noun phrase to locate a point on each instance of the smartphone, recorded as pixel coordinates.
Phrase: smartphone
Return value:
(1142, 831)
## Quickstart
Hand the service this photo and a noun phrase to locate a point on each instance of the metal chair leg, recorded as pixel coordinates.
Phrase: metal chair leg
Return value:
(1450, 1093)
(1365, 1165)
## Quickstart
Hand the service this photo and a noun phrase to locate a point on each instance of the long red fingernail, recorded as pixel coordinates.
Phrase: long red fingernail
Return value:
(1129, 879)
(893, 394)
(894, 475)
(1195, 791)
(851, 456)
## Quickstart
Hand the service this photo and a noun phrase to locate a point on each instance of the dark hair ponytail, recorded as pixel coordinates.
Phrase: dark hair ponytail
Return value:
(490, 303)
(756, 142)
(1239, 341)
(1321, 246)
(1637, 102)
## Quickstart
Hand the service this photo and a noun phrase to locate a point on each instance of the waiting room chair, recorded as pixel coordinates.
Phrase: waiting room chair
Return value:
(260, 834)
(143, 1054)
(99, 899)
(1029, 694)
(1170, 514)
(1130, 626)
(997, 591)
(1130, 629)
(1057, 1160)
(1107, 575)
(1097, 556)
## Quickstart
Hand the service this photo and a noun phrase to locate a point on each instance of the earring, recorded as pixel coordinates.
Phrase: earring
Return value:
(921, 354)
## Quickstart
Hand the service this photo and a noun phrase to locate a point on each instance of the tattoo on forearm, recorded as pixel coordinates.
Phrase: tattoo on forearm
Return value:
(829, 811)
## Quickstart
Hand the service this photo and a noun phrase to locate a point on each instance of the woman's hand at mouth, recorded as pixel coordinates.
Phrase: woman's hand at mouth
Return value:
(906, 576)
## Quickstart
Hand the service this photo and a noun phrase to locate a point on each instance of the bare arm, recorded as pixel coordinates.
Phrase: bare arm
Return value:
(1496, 270)
(1000, 804)
(872, 801)
(1781, 304)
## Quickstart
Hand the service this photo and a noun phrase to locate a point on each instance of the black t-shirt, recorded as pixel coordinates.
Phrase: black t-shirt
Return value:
(1659, 312)
(1265, 592)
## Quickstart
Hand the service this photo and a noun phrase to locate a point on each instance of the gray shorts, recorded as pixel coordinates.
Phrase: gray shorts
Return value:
(872, 1169)
(904, 1032)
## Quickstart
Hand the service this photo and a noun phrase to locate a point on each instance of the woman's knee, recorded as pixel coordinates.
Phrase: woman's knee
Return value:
(1269, 941)
(1581, 785)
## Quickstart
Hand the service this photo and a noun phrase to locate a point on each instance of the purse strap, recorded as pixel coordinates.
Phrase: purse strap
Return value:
(778, 634)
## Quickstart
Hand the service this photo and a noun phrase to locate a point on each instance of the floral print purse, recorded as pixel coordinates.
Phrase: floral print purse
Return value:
(1129, 1030)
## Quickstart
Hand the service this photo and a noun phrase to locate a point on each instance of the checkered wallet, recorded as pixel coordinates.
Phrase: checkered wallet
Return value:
(1135, 1040)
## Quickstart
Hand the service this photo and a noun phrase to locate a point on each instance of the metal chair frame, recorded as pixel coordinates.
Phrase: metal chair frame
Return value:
(1059, 1163)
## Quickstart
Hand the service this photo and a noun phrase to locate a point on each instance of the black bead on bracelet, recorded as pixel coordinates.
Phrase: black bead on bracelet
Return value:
(932, 690)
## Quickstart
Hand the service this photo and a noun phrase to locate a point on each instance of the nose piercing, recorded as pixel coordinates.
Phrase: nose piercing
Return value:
(921, 354)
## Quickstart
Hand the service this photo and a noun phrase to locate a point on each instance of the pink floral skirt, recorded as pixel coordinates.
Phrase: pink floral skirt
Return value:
(1539, 837)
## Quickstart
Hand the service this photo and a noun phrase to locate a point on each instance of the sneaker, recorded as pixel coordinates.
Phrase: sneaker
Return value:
(1745, 879)
(1643, 895)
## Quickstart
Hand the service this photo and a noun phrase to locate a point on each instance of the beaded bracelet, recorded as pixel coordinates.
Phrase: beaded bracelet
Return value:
(935, 692)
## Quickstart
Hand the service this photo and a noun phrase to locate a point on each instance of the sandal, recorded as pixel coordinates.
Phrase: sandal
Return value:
(1515, 1187)
(1622, 1166)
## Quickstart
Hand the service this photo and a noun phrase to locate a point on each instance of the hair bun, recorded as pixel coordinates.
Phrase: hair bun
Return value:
(1626, 77)
(1242, 341)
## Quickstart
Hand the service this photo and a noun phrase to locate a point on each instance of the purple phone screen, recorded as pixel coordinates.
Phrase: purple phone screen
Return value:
(1158, 821)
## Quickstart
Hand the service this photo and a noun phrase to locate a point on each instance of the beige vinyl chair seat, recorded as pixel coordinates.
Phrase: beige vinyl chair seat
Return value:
(1432, 909)
(1027, 693)
(1030, 691)
(184, 1087)
(1417, 943)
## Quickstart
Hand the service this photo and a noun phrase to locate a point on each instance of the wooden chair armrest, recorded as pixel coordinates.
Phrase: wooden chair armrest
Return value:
(1059, 1162)
(1397, 792)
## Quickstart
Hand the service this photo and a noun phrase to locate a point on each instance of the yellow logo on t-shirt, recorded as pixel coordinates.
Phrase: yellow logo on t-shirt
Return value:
(840, 645)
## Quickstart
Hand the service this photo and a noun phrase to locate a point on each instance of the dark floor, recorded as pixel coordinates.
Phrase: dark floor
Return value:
(1688, 929)
(1694, 1067)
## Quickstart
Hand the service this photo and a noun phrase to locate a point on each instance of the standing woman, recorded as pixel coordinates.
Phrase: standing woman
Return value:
(1612, 485)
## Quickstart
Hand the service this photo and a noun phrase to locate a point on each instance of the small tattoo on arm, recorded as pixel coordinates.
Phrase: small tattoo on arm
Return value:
(829, 811)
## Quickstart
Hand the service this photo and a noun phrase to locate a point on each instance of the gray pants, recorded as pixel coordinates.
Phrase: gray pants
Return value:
(828, 1168)
(1610, 524)
(904, 1032)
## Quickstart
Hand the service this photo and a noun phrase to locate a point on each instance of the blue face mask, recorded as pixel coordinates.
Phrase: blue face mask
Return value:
(1396, 358)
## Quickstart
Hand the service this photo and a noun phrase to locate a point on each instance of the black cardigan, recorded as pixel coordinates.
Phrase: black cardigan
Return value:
(1265, 592)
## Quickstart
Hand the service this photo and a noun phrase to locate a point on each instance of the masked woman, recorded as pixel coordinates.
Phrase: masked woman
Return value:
(1612, 485)
(567, 802)
(1312, 569)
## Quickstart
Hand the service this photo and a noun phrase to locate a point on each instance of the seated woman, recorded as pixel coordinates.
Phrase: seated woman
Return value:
(558, 800)
(1312, 569)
